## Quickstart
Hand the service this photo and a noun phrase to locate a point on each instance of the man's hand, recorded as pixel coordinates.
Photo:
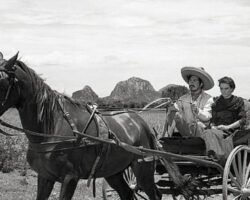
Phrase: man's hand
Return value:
(194, 108)
(172, 108)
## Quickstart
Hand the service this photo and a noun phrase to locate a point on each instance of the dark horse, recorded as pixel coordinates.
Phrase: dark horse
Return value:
(58, 159)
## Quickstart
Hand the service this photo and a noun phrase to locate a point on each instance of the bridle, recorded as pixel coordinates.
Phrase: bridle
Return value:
(12, 79)
(78, 136)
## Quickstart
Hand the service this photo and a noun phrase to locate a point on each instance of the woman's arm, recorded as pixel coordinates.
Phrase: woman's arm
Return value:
(234, 125)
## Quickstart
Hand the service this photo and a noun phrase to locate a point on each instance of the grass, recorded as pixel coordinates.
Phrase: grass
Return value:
(155, 119)
(12, 149)
(13, 186)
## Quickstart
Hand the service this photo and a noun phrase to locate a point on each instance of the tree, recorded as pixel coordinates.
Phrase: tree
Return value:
(174, 91)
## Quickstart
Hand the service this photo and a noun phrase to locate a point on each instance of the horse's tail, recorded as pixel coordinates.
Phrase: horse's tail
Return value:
(153, 142)
(183, 183)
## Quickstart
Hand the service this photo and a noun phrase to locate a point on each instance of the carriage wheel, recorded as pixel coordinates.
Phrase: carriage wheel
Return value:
(181, 197)
(236, 179)
(110, 193)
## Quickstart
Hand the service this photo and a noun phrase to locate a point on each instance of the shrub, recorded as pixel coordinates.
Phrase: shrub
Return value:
(12, 149)
(12, 153)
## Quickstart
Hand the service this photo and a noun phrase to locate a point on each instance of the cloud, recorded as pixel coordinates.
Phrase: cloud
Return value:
(112, 40)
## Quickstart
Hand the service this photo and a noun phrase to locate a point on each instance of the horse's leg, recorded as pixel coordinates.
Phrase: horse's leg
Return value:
(144, 172)
(44, 188)
(118, 183)
(68, 187)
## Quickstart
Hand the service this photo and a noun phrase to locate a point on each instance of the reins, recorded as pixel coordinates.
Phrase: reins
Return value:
(71, 123)
(6, 124)
(79, 138)
(88, 139)
(11, 78)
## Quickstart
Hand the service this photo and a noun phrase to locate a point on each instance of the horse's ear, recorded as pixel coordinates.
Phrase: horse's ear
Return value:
(11, 62)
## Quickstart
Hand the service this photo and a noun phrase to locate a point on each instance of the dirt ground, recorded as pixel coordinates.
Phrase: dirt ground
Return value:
(13, 186)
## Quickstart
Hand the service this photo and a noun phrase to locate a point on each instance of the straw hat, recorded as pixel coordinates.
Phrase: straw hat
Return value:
(207, 80)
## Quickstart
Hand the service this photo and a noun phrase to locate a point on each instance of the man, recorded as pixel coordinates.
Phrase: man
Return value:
(192, 111)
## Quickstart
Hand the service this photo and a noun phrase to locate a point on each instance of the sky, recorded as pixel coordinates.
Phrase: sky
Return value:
(73, 43)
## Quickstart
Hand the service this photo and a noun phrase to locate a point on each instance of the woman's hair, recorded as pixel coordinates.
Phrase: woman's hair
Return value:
(227, 80)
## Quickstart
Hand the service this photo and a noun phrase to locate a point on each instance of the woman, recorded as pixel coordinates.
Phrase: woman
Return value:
(228, 116)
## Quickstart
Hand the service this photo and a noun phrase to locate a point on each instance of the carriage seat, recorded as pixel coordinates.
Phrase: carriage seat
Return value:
(184, 145)
(242, 137)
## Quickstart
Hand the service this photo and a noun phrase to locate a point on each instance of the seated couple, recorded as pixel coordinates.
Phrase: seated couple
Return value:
(213, 119)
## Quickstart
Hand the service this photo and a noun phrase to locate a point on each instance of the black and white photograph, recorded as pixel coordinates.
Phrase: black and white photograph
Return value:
(125, 100)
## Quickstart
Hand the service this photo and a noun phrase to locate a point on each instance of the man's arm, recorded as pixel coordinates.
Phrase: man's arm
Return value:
(205, 114)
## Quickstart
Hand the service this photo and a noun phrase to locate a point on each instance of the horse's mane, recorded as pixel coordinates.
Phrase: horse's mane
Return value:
(46, 99)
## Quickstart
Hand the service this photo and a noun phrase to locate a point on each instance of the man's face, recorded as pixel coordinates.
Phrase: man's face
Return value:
(194, 84)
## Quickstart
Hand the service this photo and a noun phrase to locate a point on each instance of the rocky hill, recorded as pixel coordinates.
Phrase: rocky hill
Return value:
(86, 95)
(134, 92)
(134, 89)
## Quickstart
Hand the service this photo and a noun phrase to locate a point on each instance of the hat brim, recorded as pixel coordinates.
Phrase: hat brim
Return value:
(207, 80)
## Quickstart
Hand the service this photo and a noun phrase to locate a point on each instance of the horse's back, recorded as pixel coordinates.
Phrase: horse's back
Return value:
(129, 127)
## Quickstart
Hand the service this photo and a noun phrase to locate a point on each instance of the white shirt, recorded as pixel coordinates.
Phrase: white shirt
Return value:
(203, 102)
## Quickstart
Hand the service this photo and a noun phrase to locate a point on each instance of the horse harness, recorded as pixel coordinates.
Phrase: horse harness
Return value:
(79, 140)
(12, 79)
(92, 109)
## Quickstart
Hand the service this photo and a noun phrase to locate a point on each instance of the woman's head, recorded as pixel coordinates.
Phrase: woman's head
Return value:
(227, 86)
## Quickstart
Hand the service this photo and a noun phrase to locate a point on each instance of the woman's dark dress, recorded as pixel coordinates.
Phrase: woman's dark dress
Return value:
(224, 112)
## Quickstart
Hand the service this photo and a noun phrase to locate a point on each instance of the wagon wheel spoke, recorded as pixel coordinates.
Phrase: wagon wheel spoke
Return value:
(233, 190)
(129, 176)
(237, 197)
(247, 175)
(234, 180)
(138, 194)
(126, 177)
(248, 181)
(240, 168)
(244, 167)
(128, 173)
(236, 171)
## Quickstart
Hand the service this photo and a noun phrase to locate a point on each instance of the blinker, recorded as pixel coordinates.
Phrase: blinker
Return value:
(10, 64)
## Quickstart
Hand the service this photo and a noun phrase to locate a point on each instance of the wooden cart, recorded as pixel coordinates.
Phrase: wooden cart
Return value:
(231, 180)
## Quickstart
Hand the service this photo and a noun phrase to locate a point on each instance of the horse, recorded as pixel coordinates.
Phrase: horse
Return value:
(57, 117)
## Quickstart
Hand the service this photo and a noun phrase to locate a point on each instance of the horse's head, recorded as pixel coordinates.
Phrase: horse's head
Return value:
(9, 89)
